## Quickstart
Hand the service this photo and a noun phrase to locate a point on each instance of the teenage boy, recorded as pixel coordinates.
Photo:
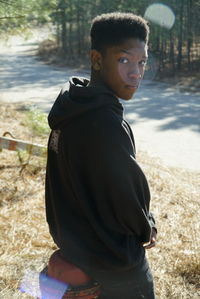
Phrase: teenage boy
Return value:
(97, 196)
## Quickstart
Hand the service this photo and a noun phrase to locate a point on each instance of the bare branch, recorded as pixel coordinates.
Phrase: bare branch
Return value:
(5, 2)
(17, 17)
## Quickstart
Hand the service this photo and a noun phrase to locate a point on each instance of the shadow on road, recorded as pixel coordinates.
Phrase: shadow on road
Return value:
(153, 101)
(30, 72)
(158, 101)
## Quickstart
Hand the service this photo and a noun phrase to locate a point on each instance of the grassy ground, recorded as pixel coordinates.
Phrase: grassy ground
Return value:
(25, 244)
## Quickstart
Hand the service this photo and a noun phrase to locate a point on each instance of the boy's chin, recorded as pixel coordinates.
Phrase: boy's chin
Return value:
(126, 94)
(127, 97)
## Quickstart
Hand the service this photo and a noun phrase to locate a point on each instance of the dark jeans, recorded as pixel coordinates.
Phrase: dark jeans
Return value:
(135, 284)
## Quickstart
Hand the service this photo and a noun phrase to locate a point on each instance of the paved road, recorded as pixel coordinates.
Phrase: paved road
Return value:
(166, 122)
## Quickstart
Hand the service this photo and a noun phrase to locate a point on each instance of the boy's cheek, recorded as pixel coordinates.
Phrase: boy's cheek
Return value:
(122, 74)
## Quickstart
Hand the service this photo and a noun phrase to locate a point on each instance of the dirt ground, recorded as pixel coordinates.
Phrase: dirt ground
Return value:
(25, 243)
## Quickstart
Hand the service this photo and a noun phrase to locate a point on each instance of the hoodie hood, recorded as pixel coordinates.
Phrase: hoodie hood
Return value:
(77, 98)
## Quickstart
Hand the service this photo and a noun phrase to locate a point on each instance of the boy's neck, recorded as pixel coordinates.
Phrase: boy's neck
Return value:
(95, 80)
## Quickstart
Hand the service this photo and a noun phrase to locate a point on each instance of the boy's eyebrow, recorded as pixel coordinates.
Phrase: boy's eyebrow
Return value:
(129, 53)
(125, 51)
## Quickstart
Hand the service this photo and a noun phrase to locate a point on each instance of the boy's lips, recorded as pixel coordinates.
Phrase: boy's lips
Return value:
(135, 86)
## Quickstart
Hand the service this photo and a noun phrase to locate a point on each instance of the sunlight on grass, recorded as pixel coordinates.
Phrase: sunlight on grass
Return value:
(37, 121)
(25, 243)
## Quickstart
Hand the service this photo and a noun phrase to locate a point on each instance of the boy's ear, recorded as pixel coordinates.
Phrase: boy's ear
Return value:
(96, 59)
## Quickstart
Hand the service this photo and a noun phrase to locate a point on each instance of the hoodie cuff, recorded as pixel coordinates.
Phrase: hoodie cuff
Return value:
(152, 221)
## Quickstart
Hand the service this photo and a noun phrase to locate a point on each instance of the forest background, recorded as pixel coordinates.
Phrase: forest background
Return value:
(177, 49)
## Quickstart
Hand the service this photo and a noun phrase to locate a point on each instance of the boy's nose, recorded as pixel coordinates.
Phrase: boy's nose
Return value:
(135, 74)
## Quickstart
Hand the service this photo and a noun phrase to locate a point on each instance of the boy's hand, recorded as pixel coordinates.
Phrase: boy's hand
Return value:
(152, 242)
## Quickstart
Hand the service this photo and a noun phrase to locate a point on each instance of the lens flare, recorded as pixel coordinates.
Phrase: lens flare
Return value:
(42, 286)
(160, 14)
(151, 68)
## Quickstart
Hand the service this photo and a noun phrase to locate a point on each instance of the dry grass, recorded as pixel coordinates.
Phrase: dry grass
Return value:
(25, 242)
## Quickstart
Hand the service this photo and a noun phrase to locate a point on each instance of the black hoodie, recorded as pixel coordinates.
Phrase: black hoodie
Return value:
(97, 196)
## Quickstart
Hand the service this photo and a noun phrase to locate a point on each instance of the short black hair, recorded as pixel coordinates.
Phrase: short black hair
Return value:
(111, 29)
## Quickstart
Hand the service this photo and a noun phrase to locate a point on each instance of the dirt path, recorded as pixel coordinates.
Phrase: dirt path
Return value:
(165, 121)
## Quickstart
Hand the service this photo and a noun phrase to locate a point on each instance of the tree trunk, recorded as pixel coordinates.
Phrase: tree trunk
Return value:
(172, 60)
(78, 31)
(180, 37)
(63, 25)
(189, 33)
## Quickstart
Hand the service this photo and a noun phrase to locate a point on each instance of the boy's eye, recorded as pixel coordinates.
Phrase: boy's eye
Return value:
(143, 62)
(123, 60)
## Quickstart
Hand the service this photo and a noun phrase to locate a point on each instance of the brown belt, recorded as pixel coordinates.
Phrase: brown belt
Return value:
(63, 280)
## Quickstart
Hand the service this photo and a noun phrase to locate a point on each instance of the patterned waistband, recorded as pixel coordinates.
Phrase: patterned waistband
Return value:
(54, 289)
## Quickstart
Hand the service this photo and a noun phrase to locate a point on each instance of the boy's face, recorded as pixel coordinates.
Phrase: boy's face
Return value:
(121, 68)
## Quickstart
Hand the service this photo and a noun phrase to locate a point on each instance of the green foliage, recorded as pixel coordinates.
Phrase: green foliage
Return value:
(37, 121)
(22, 13)
(173, 47)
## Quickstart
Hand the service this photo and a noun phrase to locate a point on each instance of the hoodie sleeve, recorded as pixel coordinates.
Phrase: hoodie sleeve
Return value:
(104, 168)
(152, 221)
